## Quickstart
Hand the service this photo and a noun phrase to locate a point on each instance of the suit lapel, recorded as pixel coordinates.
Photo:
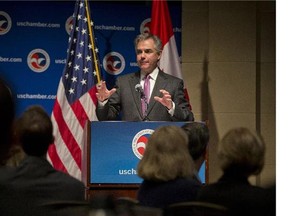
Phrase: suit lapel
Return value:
(160, 83)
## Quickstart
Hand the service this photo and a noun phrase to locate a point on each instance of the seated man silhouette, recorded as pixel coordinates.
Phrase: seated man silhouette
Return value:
(198, 139)
(35, 175)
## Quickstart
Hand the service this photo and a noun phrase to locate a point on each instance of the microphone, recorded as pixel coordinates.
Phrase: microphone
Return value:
(139, 89)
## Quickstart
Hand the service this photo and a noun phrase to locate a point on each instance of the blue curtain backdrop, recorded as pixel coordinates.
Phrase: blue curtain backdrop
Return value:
(34, 40)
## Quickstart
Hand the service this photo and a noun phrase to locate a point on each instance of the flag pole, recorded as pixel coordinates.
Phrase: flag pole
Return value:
(92, 42)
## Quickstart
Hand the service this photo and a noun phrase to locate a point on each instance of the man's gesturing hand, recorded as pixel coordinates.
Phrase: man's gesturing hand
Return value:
(165, 100)
(103, 93)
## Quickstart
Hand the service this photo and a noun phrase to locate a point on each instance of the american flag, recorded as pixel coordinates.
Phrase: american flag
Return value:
(76, 95)
(161, 26)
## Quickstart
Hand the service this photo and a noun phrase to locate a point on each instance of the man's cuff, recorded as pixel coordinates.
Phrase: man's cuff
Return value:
(102, 103)
(172, 110)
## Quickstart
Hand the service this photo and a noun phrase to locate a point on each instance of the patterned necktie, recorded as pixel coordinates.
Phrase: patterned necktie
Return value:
(147, 87)
(147, 93)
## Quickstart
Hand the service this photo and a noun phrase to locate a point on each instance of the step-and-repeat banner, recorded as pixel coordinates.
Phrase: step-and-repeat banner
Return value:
(34, 41)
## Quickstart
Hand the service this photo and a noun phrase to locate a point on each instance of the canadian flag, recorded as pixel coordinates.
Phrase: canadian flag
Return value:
(161, 26)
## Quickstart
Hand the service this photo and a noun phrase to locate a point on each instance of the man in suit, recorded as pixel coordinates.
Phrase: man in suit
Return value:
(164, 99)
(198, 139)
(35, 175)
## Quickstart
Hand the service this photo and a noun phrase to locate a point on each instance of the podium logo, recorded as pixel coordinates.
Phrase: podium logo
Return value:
(139, 142)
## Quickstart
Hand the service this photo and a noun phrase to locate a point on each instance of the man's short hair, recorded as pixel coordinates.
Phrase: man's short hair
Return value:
(198, 136)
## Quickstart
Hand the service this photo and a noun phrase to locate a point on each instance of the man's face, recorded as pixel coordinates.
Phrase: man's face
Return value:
(147, 56)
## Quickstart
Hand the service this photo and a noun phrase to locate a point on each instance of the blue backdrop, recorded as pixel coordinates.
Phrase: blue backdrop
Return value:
(34, 40)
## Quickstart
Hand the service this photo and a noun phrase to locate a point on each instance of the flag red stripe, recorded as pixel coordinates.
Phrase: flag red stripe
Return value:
(66, 134)
(55, 159)
(92, 93)
(80, 113)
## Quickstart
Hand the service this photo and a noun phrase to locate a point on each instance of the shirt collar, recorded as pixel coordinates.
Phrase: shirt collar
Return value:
(153, 74)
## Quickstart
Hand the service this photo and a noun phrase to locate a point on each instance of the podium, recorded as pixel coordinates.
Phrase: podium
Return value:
(112, 150)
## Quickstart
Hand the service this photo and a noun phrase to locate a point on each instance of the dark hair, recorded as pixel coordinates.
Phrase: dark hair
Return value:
(198, 136)
(7, 114)
(35, 131)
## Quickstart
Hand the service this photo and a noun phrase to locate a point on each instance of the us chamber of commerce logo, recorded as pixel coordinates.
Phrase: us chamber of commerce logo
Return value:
(38, 60)
(139, 142)
(69, 24)
(114, 63)
(5, 23)
(145, 26)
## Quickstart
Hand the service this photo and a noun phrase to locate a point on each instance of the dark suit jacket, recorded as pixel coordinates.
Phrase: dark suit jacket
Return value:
(238, 195)
(37, 178)
(163, 194)
(12, 202)
(126, 100)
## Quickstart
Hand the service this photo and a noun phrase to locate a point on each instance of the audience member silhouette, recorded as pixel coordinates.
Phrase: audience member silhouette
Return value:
(104, 204)
(7, 113)
(198, 139)
(16, 155)
(12, 202)
(241, 155)
(35, 175)
(166, 169)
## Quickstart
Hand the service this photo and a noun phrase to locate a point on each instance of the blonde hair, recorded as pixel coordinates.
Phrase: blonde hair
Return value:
(242, 150)
(166, 156)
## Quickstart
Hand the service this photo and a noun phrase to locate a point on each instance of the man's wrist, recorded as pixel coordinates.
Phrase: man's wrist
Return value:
(172, 110)
(171, 106)
(104, 100)
(102, 103)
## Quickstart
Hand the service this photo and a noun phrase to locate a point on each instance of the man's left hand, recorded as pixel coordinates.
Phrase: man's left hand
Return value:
(165, 100)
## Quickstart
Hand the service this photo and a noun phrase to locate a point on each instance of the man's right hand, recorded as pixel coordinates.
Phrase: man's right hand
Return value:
(102, 92)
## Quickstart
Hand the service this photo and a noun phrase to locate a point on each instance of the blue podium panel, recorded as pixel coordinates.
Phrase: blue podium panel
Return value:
(117, 147)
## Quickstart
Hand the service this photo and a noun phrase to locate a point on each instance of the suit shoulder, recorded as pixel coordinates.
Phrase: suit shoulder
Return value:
(129, 76)
(169, 76)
